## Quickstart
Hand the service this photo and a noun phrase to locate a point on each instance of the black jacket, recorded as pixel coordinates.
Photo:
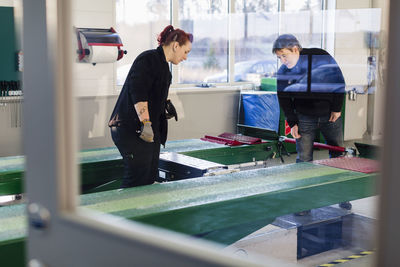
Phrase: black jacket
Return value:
(315, 86)
(148, 80)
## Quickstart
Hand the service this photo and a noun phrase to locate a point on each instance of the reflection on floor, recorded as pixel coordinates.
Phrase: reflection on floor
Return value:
(280, 239)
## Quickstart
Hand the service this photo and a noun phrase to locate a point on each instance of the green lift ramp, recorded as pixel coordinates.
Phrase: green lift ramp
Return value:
(102, 169)
(222, 208)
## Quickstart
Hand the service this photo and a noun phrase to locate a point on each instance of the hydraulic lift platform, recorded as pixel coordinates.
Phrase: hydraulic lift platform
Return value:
(174, 166)
(102, 169)
(222, 208)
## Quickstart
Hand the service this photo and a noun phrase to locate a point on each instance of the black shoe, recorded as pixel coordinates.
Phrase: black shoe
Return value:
(345, 205)
(303, 213)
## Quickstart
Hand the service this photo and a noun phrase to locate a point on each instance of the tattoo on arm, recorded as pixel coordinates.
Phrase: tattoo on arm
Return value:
(142, 110)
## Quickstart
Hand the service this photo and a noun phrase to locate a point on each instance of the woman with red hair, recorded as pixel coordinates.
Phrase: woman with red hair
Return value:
(139, 120)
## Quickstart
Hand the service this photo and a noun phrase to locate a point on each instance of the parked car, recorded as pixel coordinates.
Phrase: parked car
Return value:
(244, 70)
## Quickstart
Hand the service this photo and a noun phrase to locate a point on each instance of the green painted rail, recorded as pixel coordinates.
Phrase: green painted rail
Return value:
(236, 154)
(101, 169)
(221, 208)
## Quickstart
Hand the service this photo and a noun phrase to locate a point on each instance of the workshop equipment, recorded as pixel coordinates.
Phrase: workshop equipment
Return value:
(232, 139)
(367, 150)
(237, 152)
(100, 169)
(222, 208)
(317, 233)
(174, 166)
(235, 155)
(11, 101)
(231, 155)
(259, 109)
(99, 45)
(350, 150)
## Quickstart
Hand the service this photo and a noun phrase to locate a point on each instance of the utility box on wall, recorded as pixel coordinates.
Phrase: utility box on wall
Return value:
(355, 125)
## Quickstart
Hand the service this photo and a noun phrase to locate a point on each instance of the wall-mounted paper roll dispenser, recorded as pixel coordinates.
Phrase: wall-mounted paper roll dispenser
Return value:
(99, 45)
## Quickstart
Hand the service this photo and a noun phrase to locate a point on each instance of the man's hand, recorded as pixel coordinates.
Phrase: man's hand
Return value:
(334, 116)
(295, 132)
(146, 132)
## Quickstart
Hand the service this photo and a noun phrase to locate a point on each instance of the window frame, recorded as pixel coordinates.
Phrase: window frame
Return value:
(48, 181)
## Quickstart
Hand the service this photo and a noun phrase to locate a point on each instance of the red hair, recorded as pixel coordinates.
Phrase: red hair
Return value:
(169, 34)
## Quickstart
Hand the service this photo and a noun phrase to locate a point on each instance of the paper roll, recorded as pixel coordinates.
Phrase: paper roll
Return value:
(103, 54)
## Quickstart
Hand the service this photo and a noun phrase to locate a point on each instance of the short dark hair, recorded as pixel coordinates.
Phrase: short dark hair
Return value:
(285, 41)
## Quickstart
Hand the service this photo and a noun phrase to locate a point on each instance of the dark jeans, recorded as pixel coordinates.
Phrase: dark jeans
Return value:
(308, 126)
(140, 158)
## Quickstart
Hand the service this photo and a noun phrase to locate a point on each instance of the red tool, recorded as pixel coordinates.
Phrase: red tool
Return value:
(232, 139)
(325, 146)
(220, 140)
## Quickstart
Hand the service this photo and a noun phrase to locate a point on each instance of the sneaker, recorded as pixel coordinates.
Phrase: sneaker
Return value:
(345, 205)
(303, 213)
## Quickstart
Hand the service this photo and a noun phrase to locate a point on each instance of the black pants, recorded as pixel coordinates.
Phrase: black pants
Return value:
(140, 158)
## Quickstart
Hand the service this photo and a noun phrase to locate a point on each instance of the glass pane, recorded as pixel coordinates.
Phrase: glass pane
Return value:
(304, 20)
(208, 21)
(357, 47)
(353, 39)
(236, 204)
(255, 25)
(139, 23)
(11, 100)
(300, 5)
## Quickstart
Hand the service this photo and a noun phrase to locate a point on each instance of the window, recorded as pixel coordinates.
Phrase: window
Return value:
(208, 21)
(250, 28)
(309, 12)
(255, 29)
(139, 23)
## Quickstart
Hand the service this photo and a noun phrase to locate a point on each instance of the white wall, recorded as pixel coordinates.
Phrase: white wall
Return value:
(376, 102)
(6, 3)
(204, 112)
(351, 53)
(92, 80)
(199, 113)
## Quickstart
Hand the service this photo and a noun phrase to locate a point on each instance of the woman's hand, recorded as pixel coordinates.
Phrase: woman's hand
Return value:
(147, 132)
